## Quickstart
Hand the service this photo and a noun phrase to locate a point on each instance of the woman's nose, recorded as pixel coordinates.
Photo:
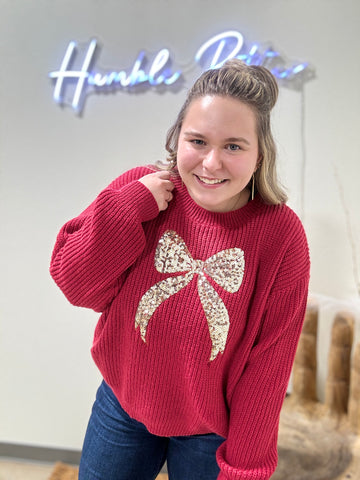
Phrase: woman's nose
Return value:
(212, 160)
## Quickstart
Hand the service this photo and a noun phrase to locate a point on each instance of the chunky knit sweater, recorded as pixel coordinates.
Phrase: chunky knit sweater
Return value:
(201, 313)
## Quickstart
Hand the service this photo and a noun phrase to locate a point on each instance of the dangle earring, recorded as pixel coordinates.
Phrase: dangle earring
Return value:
(253, 187)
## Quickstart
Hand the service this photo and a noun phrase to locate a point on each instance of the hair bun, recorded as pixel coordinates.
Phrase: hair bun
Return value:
(253, 84)
(269, 84)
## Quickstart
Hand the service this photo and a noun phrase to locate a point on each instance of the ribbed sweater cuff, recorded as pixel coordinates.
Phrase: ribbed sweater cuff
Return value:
(231, 473)
(146, 205)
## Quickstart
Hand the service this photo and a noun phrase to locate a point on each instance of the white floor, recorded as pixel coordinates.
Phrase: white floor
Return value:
(19, 470)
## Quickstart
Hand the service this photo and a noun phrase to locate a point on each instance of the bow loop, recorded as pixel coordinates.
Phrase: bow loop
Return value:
(226, 268)
(172, 254)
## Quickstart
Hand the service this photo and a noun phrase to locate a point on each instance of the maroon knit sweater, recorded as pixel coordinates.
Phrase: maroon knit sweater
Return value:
(201, 313)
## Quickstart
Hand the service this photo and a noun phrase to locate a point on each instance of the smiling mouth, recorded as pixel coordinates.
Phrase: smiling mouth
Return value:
(210, 181)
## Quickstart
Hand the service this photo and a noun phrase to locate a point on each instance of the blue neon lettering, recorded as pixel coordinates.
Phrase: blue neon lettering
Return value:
(222, 40)
(159, 63)
(97, 80)
(137, 75)
(84, 69)
(157, 74)
(255, 57)
(74, 83)
(299, 68)
(290, 72)
(82, 75)
(63, 68)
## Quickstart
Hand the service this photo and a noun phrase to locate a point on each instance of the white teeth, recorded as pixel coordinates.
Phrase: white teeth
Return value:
(210, 181)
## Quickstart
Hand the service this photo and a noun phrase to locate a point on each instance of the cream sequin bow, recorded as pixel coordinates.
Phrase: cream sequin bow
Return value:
(226, 268)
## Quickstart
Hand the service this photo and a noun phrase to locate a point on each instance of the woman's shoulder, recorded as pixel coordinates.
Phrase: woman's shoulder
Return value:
(132, 175)
(282, 231)
(284, 243)
(282, 218)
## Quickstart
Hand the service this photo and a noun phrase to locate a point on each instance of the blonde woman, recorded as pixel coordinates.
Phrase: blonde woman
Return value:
(200, 273)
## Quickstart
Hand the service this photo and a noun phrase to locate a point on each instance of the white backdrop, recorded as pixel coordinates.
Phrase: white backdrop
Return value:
(54, 162)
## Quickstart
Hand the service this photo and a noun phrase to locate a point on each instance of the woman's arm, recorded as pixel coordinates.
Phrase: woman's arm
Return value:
(250, 450)
(93, 250)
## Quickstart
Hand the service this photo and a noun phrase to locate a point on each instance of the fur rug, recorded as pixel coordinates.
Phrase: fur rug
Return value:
(67, 472)
(64, 472)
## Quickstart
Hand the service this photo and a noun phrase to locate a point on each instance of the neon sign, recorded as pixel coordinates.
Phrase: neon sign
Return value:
(74, 80)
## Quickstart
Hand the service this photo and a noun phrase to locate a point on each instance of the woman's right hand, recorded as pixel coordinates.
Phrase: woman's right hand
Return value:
(160, 186)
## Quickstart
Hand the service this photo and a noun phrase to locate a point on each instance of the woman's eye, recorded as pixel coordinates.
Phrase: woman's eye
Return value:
(197, 141)
(233, 147)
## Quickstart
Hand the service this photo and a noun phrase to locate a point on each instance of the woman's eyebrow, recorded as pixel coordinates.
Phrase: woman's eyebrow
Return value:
(193, 133)
(237, 140)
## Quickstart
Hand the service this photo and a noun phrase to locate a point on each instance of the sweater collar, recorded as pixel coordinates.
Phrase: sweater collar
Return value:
(199, 214)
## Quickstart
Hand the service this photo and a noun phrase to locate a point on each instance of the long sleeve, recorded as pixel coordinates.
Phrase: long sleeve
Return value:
(250, 450)
(93, 251)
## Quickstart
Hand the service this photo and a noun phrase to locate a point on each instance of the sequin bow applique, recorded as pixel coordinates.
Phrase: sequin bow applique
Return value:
(226, 268)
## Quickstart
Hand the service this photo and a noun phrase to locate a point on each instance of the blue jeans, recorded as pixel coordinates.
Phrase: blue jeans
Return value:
(117, 447)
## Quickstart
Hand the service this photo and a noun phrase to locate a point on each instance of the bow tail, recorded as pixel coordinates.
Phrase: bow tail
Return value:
(216, 314)
(155, 296)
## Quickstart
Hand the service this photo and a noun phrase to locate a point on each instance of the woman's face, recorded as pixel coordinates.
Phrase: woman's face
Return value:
(218, 152)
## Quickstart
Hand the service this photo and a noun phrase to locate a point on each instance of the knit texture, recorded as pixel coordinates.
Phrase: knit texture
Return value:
(167, 373)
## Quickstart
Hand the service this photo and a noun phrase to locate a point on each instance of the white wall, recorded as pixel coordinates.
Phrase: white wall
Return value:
(53, 163)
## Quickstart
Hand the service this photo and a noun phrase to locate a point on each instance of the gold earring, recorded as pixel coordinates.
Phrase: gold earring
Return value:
(253, 187)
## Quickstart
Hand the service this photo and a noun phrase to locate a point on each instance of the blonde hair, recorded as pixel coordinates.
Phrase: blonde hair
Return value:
(256, 87)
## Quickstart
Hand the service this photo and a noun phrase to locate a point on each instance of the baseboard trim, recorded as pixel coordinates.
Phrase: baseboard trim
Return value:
(39, 454)
(43, 454)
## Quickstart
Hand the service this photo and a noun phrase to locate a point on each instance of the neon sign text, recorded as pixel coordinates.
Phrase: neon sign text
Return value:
(74, 80)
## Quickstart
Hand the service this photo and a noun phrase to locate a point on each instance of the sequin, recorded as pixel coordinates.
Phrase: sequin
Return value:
(226, 268)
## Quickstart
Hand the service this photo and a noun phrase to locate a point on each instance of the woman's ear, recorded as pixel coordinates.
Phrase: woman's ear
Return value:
(259, 160)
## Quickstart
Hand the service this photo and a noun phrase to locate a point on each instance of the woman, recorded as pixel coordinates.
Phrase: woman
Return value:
(201, 274)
